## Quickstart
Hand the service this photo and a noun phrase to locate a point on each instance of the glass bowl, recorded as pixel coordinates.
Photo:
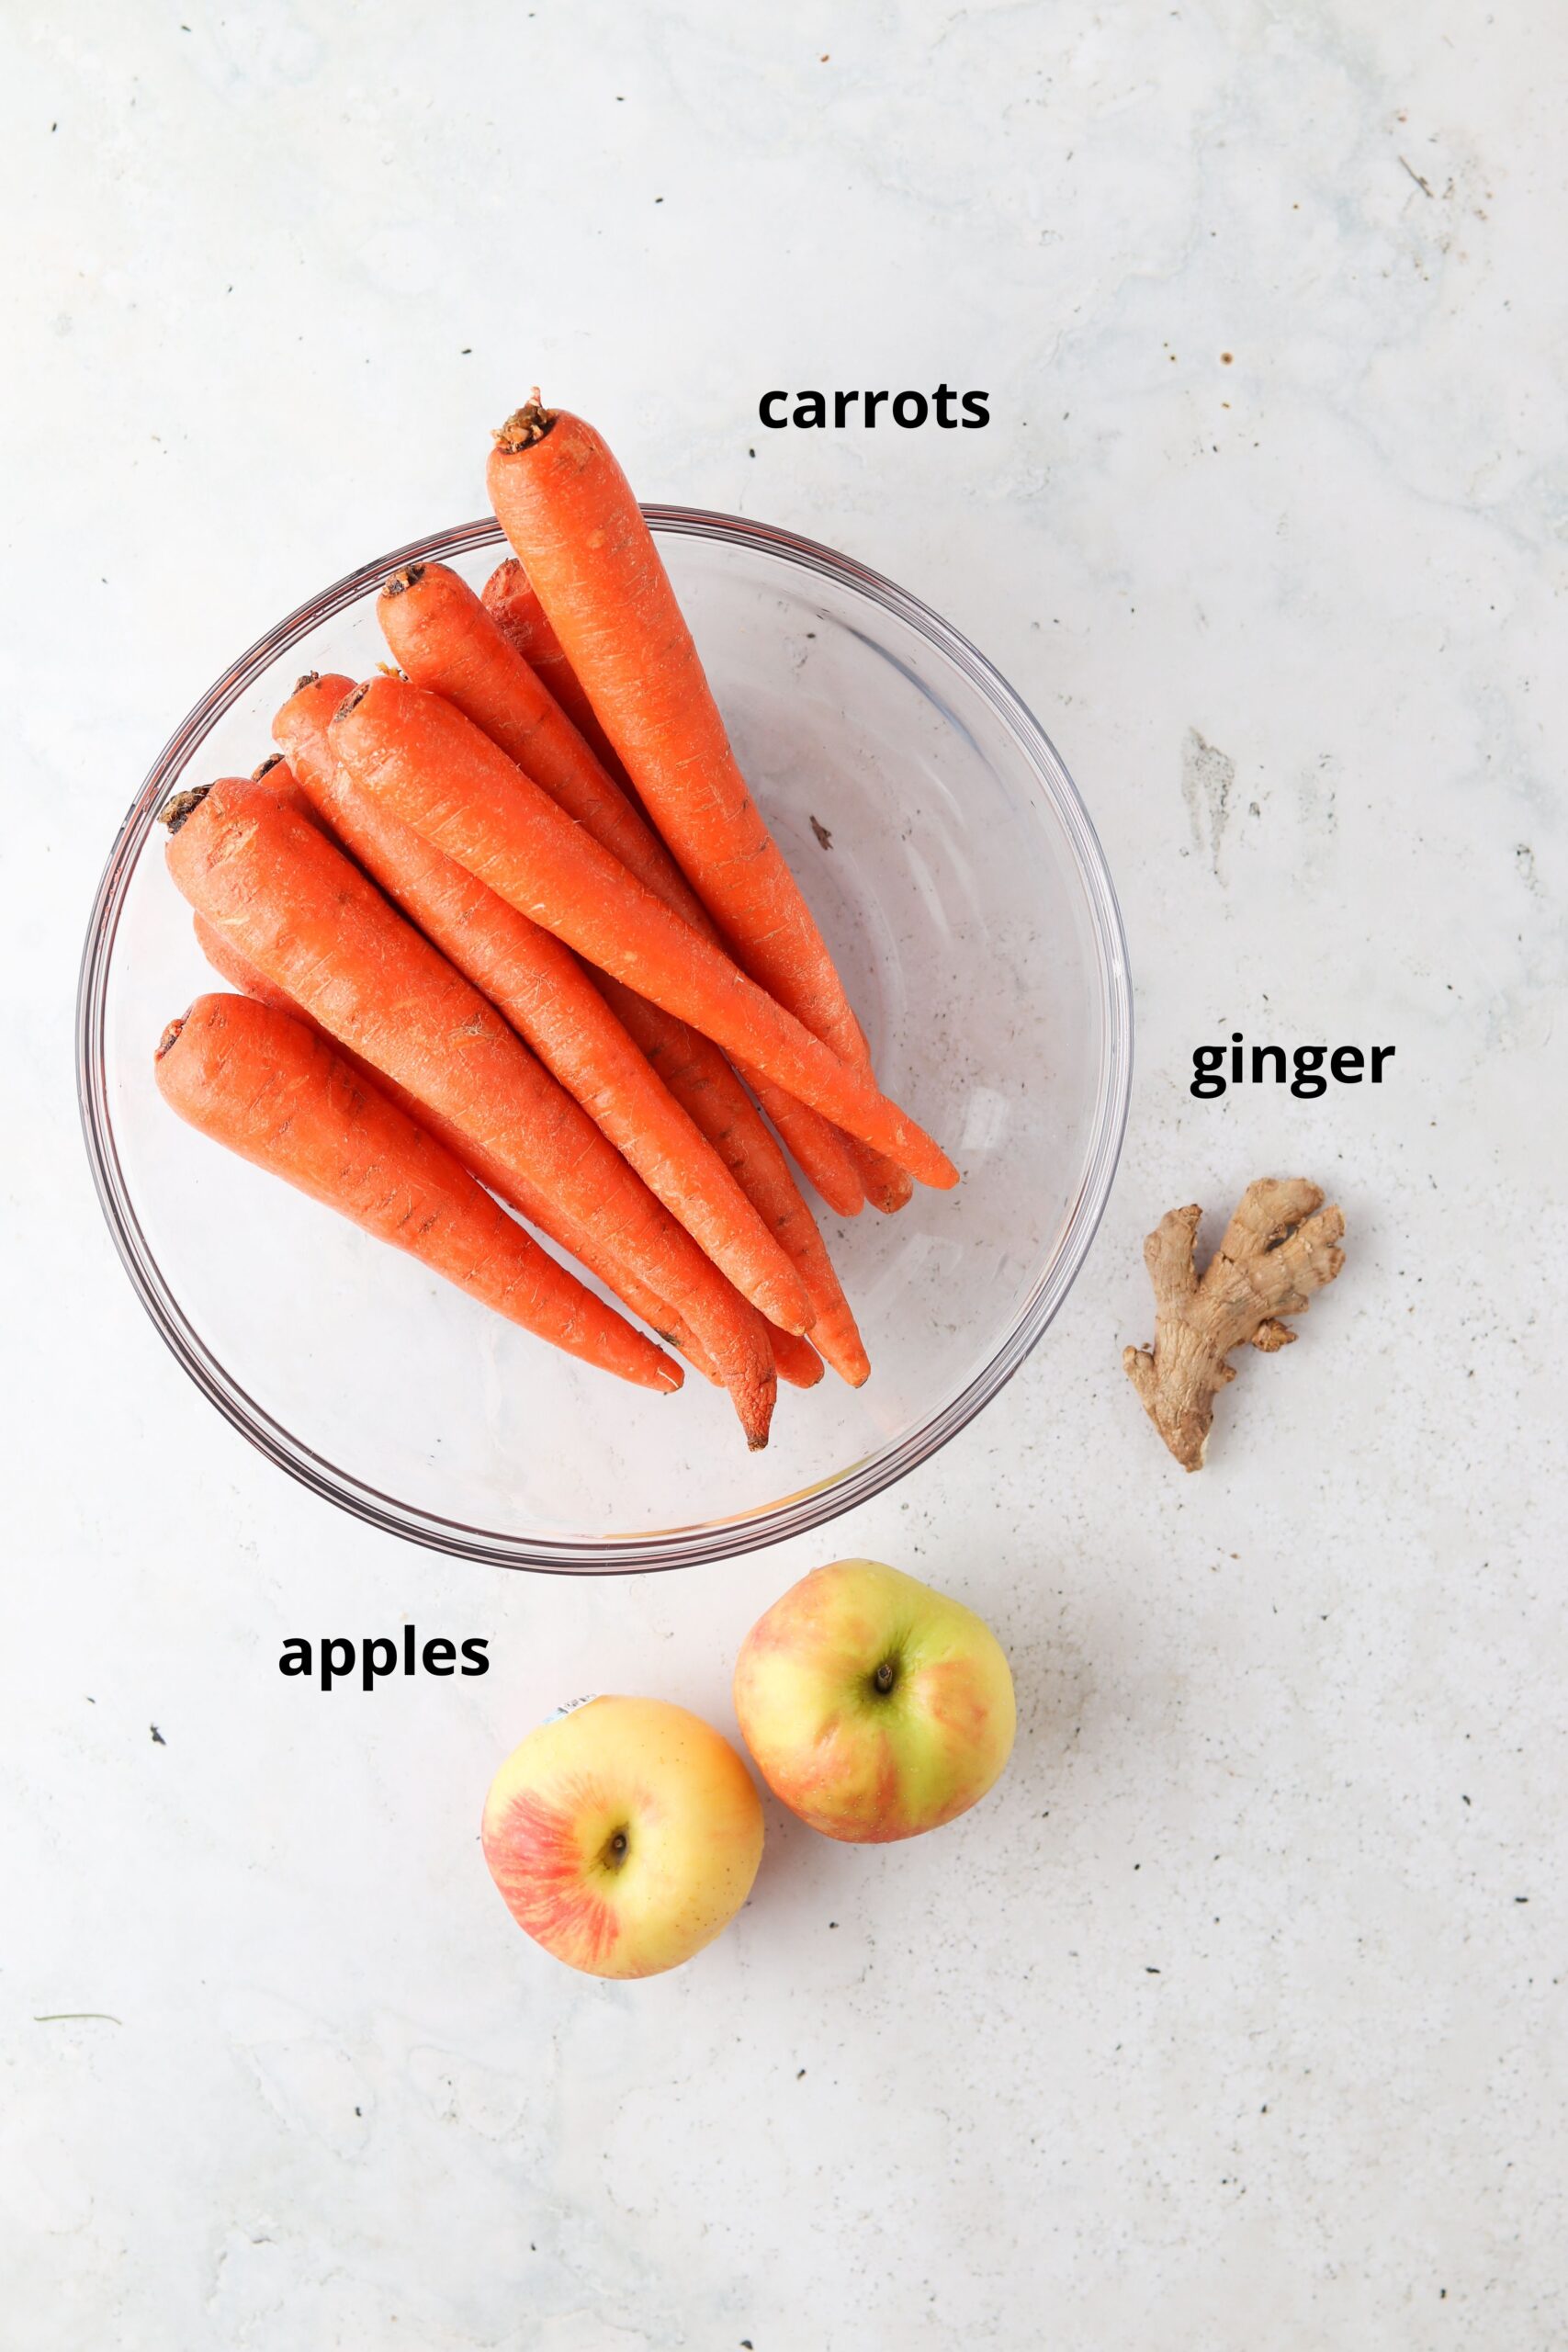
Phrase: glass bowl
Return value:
(963, 892)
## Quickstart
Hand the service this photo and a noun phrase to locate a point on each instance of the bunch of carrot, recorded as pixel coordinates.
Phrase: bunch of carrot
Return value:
(510, 934)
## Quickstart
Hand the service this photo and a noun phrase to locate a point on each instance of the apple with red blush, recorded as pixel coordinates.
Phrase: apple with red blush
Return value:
(875, 1707)
(624, 1835)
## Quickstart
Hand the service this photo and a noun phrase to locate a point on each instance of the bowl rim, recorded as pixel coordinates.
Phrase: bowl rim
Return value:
(771, 1522)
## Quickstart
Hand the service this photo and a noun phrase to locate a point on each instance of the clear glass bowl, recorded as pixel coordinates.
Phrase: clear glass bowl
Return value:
(961, 887)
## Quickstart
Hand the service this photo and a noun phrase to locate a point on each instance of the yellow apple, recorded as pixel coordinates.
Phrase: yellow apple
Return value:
(624, 1833)
(875, 1707)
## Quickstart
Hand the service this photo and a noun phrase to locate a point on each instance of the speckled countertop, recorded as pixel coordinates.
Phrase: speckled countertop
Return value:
(1235, 2019)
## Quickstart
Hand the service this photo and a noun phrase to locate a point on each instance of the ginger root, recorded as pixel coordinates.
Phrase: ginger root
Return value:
(1280, 1245)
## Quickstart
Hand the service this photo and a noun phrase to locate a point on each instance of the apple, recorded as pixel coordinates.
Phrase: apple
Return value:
(624, 1833)
(875, 1707)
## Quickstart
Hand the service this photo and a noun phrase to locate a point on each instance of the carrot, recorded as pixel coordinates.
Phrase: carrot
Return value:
(568, 510)
(427, 763)
(444, 639)
(243, 975)
(888, 1187)
(272, 1089)
(240, 974)
(315, 926)
(550, 1001)
(796, 1358)
(822, 1154)
(579, 1241)
(274, 771)
(510, 601)
(835, 1168)
(697, 1075)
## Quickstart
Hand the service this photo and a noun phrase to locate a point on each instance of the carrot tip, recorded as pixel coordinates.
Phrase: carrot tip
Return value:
(307, 678)
(396, 582)
(273, 760)
(349, 701)
(525, 426)
(183, 804)
(171, 1037)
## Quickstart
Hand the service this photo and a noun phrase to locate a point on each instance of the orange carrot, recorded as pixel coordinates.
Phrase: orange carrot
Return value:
(697, 1075)
(568, 511)
(444, 639)
(274, 771)
(888, 1186)
(579, 1241)
(425, 761)
(442, 635)
(243, 975)
(510, 601)
(272, 1089)
(549, 999)
(294, 904)
(834, 1166)
(820, 1152)
(230, 964)
(798, 1360)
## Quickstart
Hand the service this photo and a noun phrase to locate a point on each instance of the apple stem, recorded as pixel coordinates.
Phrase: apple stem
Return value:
(615, 1848)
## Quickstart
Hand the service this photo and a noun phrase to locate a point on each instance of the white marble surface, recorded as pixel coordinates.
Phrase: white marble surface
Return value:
(1292, 1732)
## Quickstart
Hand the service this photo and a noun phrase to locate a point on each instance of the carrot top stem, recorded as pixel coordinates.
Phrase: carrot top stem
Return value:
(525, 426)
(184, 804)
